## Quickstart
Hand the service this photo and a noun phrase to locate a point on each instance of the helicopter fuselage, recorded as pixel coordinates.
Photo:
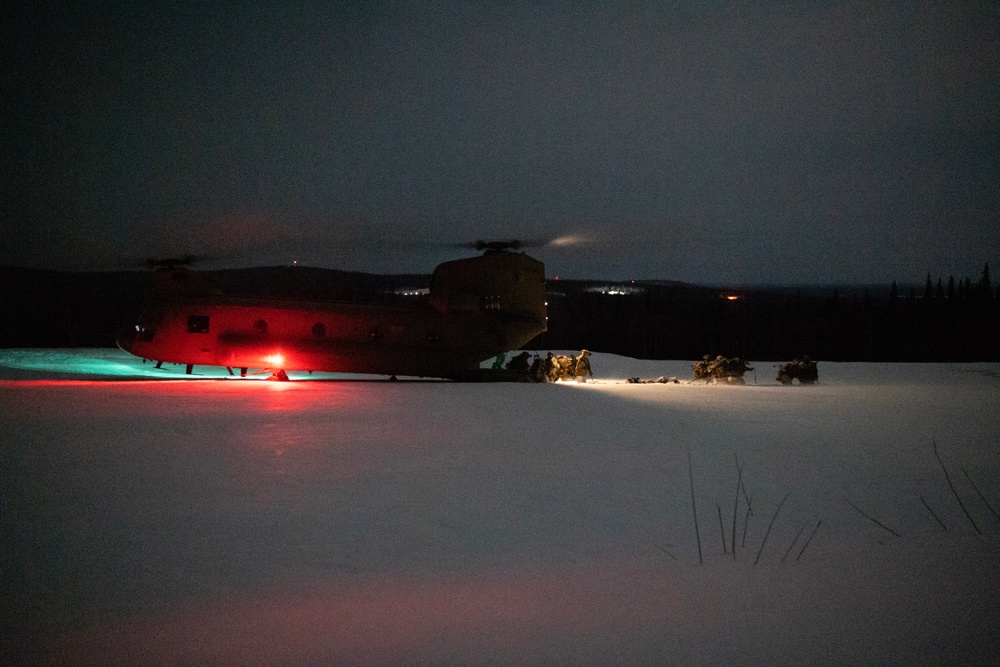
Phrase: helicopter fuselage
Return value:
(476, 309)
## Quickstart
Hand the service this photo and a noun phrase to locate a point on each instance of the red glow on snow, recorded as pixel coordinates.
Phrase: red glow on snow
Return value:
(399, 618)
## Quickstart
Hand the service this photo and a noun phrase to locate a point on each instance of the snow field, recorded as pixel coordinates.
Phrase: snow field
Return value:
(430, 521)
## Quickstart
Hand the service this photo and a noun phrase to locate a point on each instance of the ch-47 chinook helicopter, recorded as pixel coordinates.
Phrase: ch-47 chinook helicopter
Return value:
(476, 309)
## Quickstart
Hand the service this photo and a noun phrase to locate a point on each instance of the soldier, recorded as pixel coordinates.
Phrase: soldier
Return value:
(581, 366)
(808, 374)
(537, 371)
(700, 368)
(786, 372)
(717, 368)
(563, 367)
(738, 367)
(519, 363)
(550, 368)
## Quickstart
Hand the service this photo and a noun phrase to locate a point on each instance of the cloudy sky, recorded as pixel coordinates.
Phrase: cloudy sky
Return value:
(709, 142)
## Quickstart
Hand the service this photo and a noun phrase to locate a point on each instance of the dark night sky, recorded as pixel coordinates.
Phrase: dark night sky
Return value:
(702, 141)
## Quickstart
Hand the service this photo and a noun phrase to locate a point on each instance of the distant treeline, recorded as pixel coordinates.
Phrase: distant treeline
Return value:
(942, 320)
(64, 309)
(957, 320)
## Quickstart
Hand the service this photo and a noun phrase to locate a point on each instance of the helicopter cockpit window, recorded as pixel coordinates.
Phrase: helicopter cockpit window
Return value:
(198, 324)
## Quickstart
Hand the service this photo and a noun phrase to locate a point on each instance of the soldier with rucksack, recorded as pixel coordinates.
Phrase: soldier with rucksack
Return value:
(581, 366)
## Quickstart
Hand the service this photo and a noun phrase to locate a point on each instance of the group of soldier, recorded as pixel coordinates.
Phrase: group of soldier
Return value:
(555, 368)
(730, 371)
(802, 369)
(551, 368)
(720, 369)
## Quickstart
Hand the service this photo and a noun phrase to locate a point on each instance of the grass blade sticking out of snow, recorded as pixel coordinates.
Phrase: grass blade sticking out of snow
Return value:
(873, 519)
(746, 519)
(797, 536)
(694, 509)
(981, 496)
(673, 557)
(809, 540)
(721, 529)
(736, 503)
(954, 492)
(744, 486)
(761, 550)
(932, 512)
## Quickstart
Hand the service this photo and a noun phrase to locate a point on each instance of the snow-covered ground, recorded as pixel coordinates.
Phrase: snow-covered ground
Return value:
(383, 522)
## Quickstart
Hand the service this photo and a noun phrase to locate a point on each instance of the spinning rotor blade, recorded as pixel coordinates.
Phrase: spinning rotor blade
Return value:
(519, 244)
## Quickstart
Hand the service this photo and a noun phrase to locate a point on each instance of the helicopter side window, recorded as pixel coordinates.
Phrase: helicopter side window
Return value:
(198, 324)
(489, 303)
